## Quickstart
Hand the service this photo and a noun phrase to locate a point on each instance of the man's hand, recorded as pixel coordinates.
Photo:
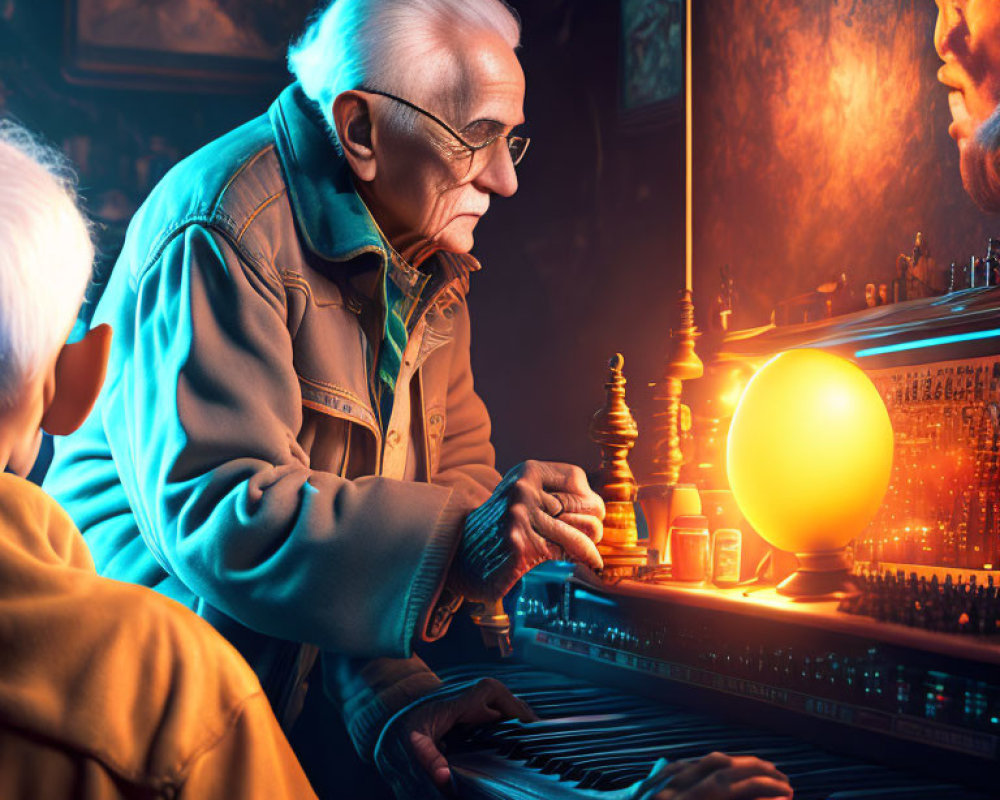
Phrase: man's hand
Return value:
(715, 777)
(540, 511)
(409, 751)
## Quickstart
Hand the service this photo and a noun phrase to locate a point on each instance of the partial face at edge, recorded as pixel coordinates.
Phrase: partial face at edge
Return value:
(425, 195)
(967, 38)
(57, 398)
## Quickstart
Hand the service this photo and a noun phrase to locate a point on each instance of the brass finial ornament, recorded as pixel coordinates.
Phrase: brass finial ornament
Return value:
(614, 430)
(683, 365)
(659, 495)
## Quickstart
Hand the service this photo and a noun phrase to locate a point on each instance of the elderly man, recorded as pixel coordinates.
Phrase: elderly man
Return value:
(289, 442)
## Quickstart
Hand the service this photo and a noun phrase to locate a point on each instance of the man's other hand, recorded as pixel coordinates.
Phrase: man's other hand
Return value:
(540, 511)
(410, 750)
(715, 777)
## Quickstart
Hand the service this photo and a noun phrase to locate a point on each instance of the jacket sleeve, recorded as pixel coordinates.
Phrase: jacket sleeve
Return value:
(370, 692)
(202, 420)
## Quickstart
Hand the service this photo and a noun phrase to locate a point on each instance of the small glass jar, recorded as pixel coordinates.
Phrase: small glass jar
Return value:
(726, 550)
(690, 550)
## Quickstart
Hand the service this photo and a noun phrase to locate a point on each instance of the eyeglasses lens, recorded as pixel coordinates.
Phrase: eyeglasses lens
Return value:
(518, 146)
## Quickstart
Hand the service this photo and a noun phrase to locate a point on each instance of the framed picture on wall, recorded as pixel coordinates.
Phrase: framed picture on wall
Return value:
(180, 44)
(652, 62)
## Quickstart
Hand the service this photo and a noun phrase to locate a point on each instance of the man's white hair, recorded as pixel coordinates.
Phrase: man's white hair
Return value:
(381, 44)
(46, 257)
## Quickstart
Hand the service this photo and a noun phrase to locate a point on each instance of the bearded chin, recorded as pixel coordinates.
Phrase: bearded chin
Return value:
(980, 164)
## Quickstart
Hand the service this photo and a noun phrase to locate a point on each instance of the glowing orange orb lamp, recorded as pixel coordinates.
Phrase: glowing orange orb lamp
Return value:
(809, 457)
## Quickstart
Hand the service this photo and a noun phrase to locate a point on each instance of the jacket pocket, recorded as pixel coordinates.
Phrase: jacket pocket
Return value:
(326, 439)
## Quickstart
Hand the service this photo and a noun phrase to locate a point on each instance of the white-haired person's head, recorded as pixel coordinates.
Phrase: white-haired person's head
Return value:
(46, 257)
(389, 45)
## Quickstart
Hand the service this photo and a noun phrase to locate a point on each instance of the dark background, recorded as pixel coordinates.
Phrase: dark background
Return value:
(820, 147)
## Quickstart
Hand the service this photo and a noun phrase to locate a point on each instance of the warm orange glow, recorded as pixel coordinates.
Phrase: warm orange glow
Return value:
(732, 384)
(822, 147)
(810, 451)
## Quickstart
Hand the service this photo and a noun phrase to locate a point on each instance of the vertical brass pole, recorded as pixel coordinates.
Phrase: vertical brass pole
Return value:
(683, 364)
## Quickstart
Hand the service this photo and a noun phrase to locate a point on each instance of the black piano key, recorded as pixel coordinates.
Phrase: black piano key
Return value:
(582, 746)
(652, 725)
(587, 729)
(515, 729)
(617, 778)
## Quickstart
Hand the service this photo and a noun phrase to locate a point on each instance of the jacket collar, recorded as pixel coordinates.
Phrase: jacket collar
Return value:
(334, 222)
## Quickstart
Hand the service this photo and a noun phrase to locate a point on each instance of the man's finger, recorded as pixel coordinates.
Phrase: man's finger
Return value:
(575, 545)
(558, 477)
(432, 760)
(748, 766)
(745, 769)
(760, 787)
(757, 788)
(697, 771)
(492, 695)
(714, 776)
(589, 526)
(558, 503)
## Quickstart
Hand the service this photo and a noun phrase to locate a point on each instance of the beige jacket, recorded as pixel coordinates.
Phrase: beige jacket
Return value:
(235, 460)
(111, 691)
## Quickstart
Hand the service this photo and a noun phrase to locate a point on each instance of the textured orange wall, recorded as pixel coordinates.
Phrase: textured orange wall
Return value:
(821, 146)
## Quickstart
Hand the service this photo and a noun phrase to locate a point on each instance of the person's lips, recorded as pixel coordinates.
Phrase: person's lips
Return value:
(961, 126)
(950, 75)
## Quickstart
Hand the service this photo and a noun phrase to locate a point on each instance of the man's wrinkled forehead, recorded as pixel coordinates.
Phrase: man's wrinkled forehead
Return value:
(478, 76)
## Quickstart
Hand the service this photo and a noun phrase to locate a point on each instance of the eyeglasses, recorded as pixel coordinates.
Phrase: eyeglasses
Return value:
(517, 146)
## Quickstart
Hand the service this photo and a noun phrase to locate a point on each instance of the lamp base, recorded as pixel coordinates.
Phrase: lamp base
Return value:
(821, 576)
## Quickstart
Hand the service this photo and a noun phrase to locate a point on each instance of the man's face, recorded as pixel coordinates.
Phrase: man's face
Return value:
(429, 191)
(967, 38)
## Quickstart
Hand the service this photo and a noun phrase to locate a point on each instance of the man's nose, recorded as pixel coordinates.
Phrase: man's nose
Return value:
(499, 175)
(951, 30)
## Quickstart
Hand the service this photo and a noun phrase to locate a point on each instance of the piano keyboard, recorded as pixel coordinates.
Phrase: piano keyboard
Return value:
(592, 742)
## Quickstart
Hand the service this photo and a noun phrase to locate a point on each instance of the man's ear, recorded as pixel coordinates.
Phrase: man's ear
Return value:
(79, 375)
(354, 129)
